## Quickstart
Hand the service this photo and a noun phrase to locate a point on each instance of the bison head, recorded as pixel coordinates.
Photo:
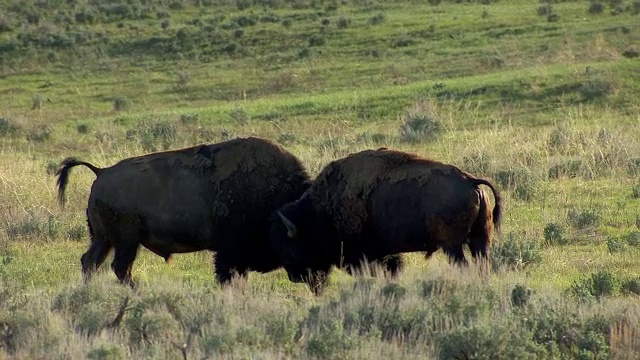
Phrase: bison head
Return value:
(294, 235)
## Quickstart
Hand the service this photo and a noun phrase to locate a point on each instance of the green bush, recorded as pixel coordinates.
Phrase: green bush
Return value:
(597, 88)
(569, 168)
(515, 254)
(304, 53)
(544, 10)
(553, 17)
(316, 40)
(518, 180)
(343, 23)
(520, 296)
(631, 286)
(34, 225)
(568, 334)
(420, 127)
(189, 119)
(39, 133)
(107, 352)
(615, 244)
(327, 336)
(377, 19)
(596, 285)
(240, 116)
(37, 101)
(558, 140)
(633, 167)
(477, 163)
(635, 191)
(498, 340)
(595, 7)
(121, 103)
(82, 128)
(5, 24)
(218, 343)
(270, 18)
(583, 218)
(554, 234)
(393, 291)
(8, 128)
(153, 135)
(52, 167)
(287, 139)
(280, 330)
(77, 232)
(402, 41)
(633, 238)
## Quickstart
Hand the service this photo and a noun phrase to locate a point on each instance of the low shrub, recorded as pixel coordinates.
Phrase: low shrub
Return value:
(418, 128)
(596, 285)
(582, 219)
(518, 180)
(554, 234)
(515, 254)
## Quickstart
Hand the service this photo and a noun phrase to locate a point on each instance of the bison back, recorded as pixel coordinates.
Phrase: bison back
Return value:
(203, 197)
(390, 201)
(422, 213)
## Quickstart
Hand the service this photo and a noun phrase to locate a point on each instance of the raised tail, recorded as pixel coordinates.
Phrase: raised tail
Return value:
(497, 207)
(63, 175)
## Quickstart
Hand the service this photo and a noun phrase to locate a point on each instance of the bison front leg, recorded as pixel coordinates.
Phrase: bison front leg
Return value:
(227, 268)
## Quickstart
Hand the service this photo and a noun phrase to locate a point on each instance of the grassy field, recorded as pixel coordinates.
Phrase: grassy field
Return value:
(541, 98)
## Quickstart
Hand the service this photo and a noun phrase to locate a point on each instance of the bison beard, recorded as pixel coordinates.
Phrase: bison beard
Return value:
(211, 197)
(372, 206)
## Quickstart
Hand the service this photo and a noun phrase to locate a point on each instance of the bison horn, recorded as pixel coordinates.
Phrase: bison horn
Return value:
(291, 227)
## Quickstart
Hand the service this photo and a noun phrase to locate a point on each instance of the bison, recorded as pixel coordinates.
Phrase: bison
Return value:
(214, 197)
(376, 204)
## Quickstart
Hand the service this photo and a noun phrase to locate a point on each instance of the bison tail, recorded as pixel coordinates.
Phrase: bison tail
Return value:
(63, 175)
(497, 207)
(481, 230)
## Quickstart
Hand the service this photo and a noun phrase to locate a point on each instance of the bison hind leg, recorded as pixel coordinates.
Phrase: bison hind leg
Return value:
(456, 255)
(388, 265)
(123, 261)
(393, 264)
(94, 257)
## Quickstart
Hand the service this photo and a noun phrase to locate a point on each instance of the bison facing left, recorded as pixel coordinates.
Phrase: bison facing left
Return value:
(211, 197)
(376, 204)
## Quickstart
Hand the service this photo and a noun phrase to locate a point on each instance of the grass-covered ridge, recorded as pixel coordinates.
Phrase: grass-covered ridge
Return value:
(541, 98)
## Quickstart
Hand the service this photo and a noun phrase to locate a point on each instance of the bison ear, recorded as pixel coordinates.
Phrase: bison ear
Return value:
(291, 227)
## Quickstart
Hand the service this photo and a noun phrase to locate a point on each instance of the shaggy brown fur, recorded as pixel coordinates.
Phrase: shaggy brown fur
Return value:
(377, 203)
(210, 197)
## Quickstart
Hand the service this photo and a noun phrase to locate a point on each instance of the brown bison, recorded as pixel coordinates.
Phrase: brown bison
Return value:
(210, 197)
(376, 204)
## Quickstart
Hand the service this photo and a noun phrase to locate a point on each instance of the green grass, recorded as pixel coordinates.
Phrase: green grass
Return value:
(546, 107)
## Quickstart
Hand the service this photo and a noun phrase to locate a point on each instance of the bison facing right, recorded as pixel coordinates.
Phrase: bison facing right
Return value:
(376, 204)
(215, 197)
